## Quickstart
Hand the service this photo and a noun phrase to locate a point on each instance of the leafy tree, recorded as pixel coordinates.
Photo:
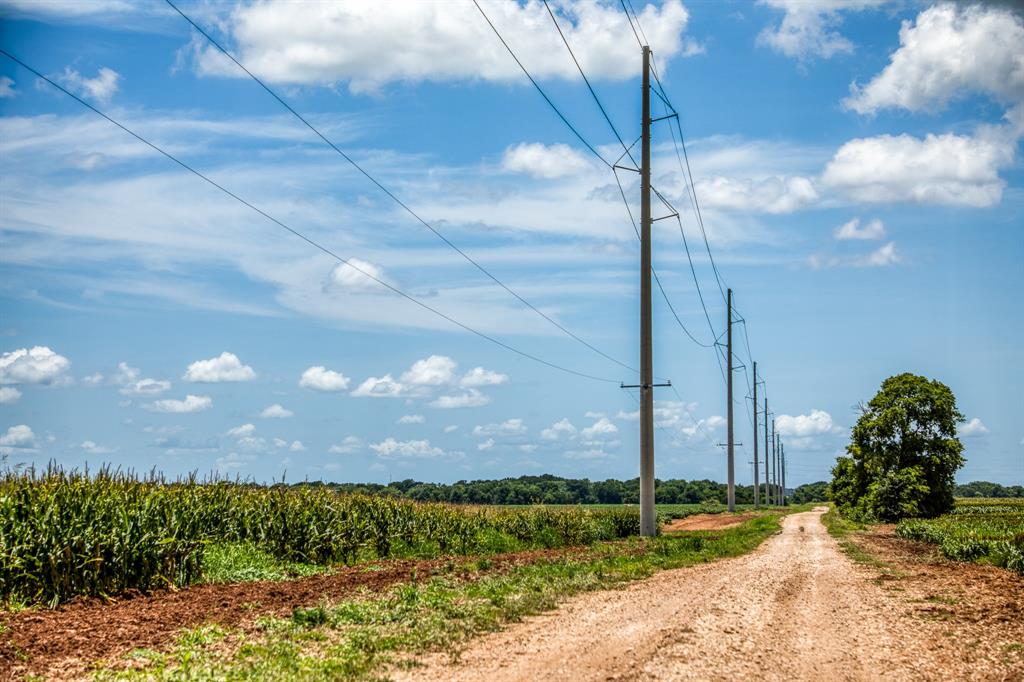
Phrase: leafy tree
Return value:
(810, 492)
(903, 453)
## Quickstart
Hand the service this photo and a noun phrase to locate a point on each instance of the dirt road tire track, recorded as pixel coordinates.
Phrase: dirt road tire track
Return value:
(796, 609)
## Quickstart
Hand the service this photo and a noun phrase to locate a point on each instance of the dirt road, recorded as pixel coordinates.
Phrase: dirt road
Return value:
(796, 608)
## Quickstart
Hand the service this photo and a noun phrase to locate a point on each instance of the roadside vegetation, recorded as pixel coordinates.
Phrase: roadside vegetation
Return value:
(985, 531)
(363, 636)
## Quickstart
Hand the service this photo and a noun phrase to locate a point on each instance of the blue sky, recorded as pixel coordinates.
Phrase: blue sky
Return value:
(857, 165)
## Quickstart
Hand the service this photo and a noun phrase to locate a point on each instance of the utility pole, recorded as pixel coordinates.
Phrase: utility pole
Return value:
(782, 449)
(732, 464)
(775, 470)
(757, 484)
(648, 522)
(767, 477)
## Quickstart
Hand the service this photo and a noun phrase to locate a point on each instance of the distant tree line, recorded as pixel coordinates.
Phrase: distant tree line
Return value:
(548, 489)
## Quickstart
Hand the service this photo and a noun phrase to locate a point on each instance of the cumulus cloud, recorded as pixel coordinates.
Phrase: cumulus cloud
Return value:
(100, 88)
(478, 376)
(411, 419)
(297, 446)
(20, 437)
(36, 365)
(469, 398)
(383, 387)
(242, 430)
(485, 445)
(358, 276)
(191, 403)
(974, 427)
(93, 449)
(774, 194)
(94, 379)
(7, 88)
(602, 427)
(451, 428)
(319, 378)
(946, 169)
(146, 387)
(368, 44)
(509, 427)
(225, 367)
(390, 448)
(808, 27)
(437, 370)
(560, 429)
(9, 395)
(852, 229)
(350, 445)
(544, 161)
(948, 51)
(276, 411)
(804, 431)
(233, 461)
(881, 257)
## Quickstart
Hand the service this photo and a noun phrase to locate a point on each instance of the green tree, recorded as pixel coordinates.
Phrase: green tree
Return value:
(903, 453)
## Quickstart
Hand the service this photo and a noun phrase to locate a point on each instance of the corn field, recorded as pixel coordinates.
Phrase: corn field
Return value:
(64, 534)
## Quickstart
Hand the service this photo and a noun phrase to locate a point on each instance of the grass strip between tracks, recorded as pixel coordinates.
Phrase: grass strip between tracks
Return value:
(361, 638)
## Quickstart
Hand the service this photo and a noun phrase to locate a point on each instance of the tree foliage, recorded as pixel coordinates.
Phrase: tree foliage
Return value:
(903, 453)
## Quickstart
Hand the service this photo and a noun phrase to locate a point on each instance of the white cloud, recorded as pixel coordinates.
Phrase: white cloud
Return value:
(384, 387)
(19, 436)
(950, 50)
(191, 403)
(391, 448)
(93, 449)
(485, 445)
(101, 88)
(275, 411)
(469, 398)
(602, 427)
(9, 395)
(350, 445)
(543, 161)
(591, 414)
(125, 374)
(36, 365)
(437, 370)
(368, 43)
(667, 414)
(807, 28)
(146, 387)
(851, 229)
(225, 367)
(478, 376)
(509, 427)
(66, 8)
(593, 453)
(974, 427)
(242, 430)
(881, 257)
(297, 446)
(320, 378)
(451, 428)
(715, 422)
(772, 194)
(358, 275)
(946, 169)
(7, 88)
(816, 423)
(94, 379)
(560, 429)
(411, 419)
(233, 461)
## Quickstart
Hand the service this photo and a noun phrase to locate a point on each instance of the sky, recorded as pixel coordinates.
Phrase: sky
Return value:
(856, 164)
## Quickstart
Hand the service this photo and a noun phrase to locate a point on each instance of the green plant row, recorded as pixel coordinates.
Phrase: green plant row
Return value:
(64, 534)
(992, 534)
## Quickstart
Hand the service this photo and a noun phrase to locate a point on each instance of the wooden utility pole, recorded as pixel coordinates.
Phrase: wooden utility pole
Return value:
(775, 469)
(782, 452)
(728, 382)
(767, 477)
(757, 483)
(648, 522)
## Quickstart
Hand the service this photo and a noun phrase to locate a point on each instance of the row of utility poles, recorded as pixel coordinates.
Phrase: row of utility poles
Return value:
(775, 474)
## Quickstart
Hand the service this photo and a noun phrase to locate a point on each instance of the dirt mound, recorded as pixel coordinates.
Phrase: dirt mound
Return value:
(708, 522)
(64, 642)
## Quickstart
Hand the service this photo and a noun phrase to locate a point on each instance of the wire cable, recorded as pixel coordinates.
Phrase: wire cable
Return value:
(300, 235)
(390, 194)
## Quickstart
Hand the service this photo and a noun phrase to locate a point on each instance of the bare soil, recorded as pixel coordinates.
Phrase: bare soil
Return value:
(66, 642)
(707, 522)
(797, 608)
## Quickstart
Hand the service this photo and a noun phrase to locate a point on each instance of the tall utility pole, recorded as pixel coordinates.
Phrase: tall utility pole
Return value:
(757, 483)
(775, 470)
(648, 522)
(767, 478)
(782, 451)
(728, 382)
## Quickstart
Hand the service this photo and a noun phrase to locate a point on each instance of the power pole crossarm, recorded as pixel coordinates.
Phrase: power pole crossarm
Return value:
(728, 343)
(648, 522)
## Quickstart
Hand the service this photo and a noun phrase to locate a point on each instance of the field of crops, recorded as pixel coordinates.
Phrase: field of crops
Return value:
(984, 530)
(64, 534)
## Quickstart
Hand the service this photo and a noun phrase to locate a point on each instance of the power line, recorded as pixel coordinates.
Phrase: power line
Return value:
(398, 201)
(540, 89)
(300, 235)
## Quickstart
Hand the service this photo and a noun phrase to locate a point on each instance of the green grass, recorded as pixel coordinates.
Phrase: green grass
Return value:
(361, 637)
(233, 562)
